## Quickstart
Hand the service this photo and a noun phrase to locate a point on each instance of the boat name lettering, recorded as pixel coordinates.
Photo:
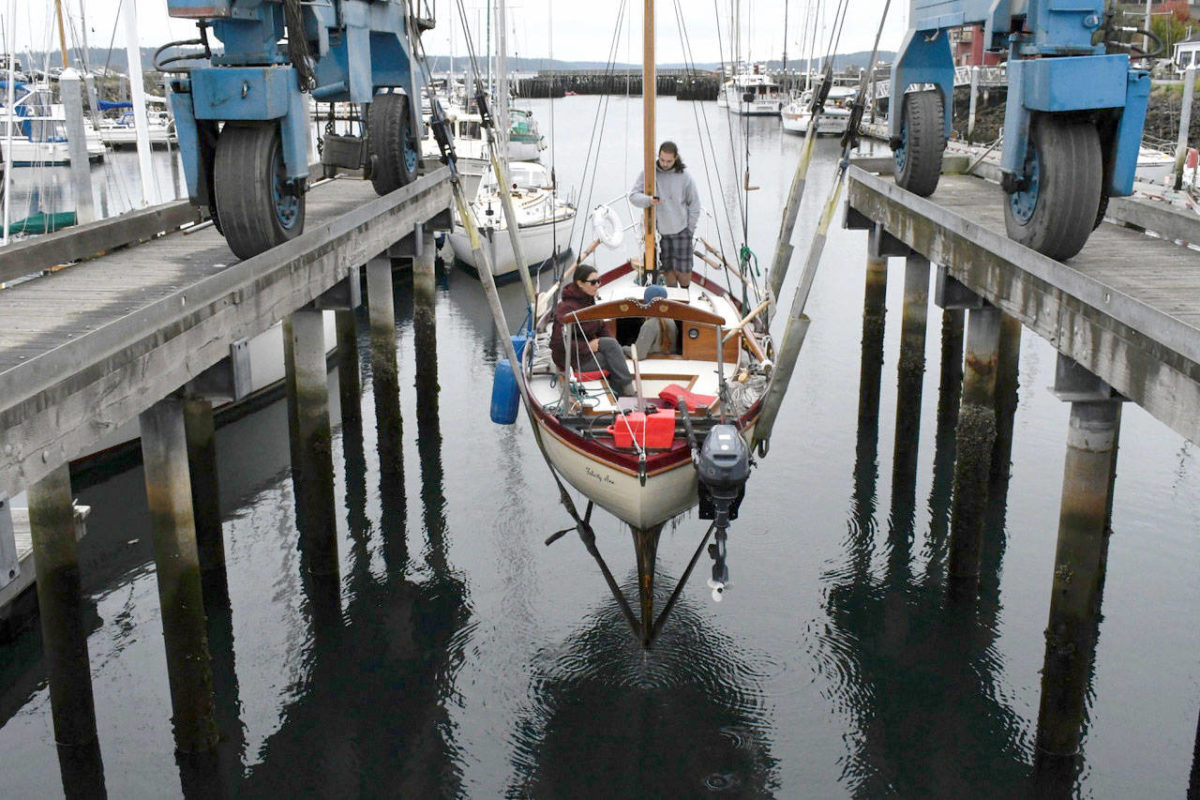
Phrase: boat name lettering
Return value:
(602, 478)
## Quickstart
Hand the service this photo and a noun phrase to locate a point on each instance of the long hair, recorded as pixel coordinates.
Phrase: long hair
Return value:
(583, 272)
(669, 147)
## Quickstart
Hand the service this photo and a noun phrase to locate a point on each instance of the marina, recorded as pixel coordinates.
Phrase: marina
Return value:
(955, 534)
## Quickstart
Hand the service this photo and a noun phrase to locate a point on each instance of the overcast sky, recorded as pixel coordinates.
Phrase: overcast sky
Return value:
(568, 30)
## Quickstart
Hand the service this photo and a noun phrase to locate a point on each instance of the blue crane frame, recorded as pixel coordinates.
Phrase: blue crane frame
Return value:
(1053, 67)
(361, 47)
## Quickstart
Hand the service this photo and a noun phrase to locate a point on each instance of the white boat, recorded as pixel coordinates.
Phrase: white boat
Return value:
(641, 485)
(833, 118)
(681, 432)
(543, 221)
(119, 131)
(39, 128)
(525, 142)
(751, 92)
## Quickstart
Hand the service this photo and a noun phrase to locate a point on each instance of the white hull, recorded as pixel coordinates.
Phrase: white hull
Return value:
(537, 243)
(665, 495)
(767, 102)
(796, 121)
(51, 154)
(609, 476)
(122, 136)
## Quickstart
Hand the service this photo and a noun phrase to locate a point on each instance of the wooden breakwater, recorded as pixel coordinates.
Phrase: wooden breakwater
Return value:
(680, 84)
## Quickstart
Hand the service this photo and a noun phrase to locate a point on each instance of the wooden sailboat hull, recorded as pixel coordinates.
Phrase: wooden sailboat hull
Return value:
(671, 488)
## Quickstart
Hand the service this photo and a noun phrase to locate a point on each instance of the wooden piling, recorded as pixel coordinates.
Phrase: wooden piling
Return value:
(200, 430)
(177, 561)
(64, 640)
(870, 371)
(1007, 383)
(349, 380)
(312, 456)
(975, 436)
(389, 424)
(910, 379)
(429, 435)
(1078, 580)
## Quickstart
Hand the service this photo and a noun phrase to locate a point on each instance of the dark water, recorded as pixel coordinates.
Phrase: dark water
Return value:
(465, 659)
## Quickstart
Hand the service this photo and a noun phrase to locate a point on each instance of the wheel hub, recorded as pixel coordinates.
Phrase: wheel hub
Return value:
(286, 196)
(1023, 202)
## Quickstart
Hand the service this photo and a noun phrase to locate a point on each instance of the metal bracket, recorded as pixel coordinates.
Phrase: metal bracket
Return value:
(10, 565)
(882, 244)
(345, 295)
(228, 380)
(951, 293)
(1073, 383)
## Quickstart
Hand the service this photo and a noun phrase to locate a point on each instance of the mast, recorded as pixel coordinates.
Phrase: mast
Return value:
(62, 34)
(500, 101)
(649, 87)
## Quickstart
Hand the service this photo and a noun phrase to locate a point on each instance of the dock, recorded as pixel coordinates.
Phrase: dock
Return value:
(1124, 316)
(1127, 308)
(146, 320)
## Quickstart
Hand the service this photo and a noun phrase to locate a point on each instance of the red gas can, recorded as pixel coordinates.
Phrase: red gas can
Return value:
(654, 431)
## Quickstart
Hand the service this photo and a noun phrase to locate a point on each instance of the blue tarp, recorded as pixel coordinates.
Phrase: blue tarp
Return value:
(108, 105)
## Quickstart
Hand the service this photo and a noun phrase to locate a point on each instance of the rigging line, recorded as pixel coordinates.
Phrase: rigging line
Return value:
(597, 125)
(689, 60)
(732, 128)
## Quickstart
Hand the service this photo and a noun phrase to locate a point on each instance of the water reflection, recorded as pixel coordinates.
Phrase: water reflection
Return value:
(686, 719)
(379, 675)
(918, 677)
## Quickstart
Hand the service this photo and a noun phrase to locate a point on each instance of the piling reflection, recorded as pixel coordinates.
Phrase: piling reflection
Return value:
(378, 678)
(82, 770)
(918, 678)
(690, 711)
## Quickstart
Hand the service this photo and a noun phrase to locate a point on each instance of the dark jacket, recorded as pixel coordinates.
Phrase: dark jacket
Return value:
(573, 299)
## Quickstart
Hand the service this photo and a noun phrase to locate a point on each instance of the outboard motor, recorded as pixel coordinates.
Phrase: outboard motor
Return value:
(724, 467)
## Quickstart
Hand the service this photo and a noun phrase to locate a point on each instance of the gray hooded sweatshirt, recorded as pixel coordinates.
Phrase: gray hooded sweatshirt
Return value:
(680, 206)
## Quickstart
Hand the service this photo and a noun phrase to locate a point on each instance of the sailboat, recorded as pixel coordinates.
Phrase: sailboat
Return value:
(685, 438)
(542, 221)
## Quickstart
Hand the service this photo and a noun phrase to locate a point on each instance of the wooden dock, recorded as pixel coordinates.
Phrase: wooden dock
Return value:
(87, 349)
(1127, 308)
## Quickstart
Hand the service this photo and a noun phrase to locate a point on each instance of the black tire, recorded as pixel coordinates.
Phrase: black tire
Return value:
(393, 159)
(922, 142)
(1057, 211)
(258, 207)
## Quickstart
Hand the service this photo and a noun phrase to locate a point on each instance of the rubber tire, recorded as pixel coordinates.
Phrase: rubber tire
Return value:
(1070, 174)
(919, 162)
(388, 143)
(249, 165)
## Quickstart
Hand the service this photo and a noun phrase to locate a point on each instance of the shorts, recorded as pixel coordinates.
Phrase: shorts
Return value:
(675, 251)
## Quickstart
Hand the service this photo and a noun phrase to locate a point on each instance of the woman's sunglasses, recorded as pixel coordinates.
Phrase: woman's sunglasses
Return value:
(592, 281)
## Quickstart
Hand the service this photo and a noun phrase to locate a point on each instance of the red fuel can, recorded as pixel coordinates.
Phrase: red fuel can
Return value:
(653, 431)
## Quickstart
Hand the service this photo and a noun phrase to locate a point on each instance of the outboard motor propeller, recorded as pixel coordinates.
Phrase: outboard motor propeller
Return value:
(724, 467)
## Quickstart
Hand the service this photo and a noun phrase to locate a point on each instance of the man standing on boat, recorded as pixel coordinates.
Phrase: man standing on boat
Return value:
(677, 210)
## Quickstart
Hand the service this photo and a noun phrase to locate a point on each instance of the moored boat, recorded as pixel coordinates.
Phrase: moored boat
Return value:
(641, 469)
(543, 220)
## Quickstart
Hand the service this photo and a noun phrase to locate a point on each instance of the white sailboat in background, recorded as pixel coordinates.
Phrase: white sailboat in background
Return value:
(543, 221)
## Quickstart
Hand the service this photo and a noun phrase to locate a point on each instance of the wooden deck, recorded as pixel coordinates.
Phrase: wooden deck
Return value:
(88, 348)
(1127, 308)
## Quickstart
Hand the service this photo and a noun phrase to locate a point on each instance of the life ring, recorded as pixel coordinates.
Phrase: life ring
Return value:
(608, 226)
